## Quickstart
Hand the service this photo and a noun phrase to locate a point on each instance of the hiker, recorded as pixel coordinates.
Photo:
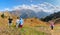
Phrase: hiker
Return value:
(10, 21)
(17, 22)
(21, 23)
(52, 24)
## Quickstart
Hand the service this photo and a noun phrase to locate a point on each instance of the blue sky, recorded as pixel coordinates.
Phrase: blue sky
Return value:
(11, 3)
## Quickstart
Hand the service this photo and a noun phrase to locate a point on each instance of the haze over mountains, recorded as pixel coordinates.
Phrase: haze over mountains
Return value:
(39, 10)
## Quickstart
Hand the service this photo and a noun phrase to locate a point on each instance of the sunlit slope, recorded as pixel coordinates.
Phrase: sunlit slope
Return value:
(28, 26)
(34, 22)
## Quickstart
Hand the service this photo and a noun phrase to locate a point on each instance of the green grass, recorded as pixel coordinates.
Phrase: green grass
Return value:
(23, 31)
(18, 31)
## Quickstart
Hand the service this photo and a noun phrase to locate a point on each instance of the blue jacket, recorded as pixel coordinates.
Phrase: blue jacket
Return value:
(21, 21)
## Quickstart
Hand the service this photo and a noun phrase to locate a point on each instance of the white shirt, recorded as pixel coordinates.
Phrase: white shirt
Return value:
(18, 21)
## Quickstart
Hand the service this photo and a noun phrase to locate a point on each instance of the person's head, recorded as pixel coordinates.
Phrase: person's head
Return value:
(52, 20)
(17, 17)
(20, 17)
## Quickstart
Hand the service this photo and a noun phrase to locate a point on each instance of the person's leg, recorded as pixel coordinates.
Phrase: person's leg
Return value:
(21, 26)
(10, 24)
(17, 24)
(52, 27)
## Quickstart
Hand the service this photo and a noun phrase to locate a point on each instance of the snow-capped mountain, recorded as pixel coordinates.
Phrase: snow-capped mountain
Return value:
(39, 10)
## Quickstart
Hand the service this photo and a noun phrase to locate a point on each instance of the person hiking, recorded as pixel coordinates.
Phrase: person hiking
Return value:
(52, 24)
(10, 21)
(17, 22)
(21, 23)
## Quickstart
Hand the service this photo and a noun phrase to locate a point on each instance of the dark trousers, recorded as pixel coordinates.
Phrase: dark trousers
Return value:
(52, 27)
(20, 26)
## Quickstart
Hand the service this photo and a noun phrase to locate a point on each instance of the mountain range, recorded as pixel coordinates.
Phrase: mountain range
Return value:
(53, 16)
(29, 13)
(39, 10)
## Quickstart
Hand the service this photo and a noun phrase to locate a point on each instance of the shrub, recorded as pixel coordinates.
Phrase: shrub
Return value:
(2, 15)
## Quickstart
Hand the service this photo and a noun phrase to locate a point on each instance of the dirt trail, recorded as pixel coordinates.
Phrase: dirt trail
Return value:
(56, 31)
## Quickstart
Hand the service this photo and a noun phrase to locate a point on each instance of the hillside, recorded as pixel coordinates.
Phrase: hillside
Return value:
(52, 16)
(34, 22)
(31, 26)
(27, 21)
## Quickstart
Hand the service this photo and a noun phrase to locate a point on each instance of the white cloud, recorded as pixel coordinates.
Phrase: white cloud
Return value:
(6, 9)
(46, 7)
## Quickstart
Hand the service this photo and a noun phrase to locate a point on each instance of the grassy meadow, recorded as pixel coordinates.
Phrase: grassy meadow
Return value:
(31, 26)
